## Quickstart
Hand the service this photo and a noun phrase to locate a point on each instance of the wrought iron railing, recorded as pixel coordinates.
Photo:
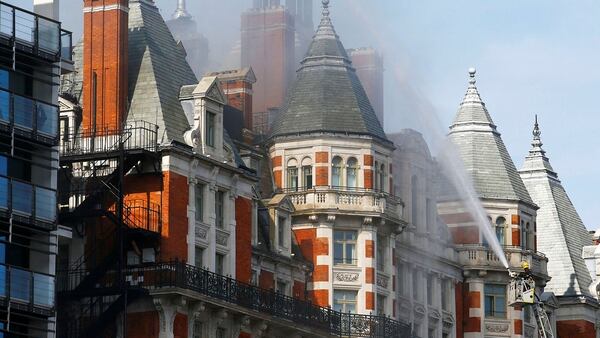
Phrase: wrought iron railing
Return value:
(135, 135)
(178, 274)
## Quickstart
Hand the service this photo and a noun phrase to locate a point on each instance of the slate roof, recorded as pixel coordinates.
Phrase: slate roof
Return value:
(483, 152)
(327, 95)
(157, 70)
(561, 235)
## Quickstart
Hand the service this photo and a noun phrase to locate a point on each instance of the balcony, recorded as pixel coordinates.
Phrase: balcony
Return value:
(353, 200)
(30, 118)
(28, 203)
(482, 257)
(27, 290)
(102, 143)
(173, 276)
(31, 33)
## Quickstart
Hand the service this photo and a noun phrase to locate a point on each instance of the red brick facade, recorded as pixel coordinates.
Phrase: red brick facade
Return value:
(142, 324)
(266, 280)
(575, 329)
(243, 239)
(175, 221)
(180, 326)
(104, 66)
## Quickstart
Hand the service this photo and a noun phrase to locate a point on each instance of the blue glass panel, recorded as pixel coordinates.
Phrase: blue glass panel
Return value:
(20, 284)
(2, 249)
(22, 197)
(2, 280)
(4, 78)
(4, 106)
(47, 119)
(45, 204)
(43, 290)
(3, 165)
(23, 111)
(3, 192)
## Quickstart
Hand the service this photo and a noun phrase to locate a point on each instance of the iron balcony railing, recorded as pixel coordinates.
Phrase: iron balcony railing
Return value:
(28, 290)
(135, 135)
(178, 274)
(32, 33)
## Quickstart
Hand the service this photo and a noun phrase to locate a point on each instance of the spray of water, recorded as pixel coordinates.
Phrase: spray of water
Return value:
(446, 153)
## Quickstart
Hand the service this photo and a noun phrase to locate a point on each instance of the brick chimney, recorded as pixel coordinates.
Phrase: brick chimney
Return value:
(105, 35)
(237, 87)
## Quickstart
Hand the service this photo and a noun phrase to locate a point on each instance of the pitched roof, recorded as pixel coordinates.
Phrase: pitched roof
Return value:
(483, 152)
(327, 95)
(157, 71)
(561, 235)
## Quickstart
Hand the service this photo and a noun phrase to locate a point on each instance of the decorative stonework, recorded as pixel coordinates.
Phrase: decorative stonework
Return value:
(434, 315)
(347, 277)
(419, 310)
(447, 320)
(201, 232)
(222, 237)
(496, 327)
(383, 281)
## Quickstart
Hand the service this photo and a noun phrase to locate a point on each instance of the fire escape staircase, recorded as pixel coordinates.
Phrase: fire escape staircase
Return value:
(93, 165)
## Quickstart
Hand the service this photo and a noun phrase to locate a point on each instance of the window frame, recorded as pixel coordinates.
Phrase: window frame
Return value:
(352, 171)
(337, 165)
(219, 209)
(210, 131)
(344, 302)
(199, 200)
(492, 298)
(345, 243)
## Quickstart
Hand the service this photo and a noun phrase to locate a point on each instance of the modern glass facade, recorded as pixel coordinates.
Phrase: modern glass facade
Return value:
(31, 47)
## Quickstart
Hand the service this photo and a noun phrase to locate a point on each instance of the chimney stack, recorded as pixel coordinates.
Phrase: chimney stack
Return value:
(105, 36)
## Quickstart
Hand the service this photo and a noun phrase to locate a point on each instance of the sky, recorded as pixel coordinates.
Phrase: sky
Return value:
(532, 57)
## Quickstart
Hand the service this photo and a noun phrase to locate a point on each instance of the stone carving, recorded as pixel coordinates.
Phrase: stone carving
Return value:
(347, 277)
(419, 310)
(434, 315)
(383, 281)
(447, 319)
(496, 327)
(201, 232)
(222, 238)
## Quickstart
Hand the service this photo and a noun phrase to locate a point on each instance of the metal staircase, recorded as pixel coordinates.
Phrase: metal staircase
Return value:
(94, 288)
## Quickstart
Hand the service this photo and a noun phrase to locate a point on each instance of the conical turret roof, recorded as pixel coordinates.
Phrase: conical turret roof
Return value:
(561, 235)
(483, 152)
(327, 95)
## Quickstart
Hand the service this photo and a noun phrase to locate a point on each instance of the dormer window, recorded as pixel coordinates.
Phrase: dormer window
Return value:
(281, 227)
(210, 129)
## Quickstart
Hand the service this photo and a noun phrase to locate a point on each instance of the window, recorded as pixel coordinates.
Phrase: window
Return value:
(382, 178)
(376, 175)
(292, 175)
(282, 287)
(381, 249)
(198, 329)
(415, 285)
(210, 129)
(445, 294)
(219, 264)
(281, 231)
(344, 248)
(4, 78)
(199, 256)
(495, 300)
(429, 290)
(500, 223)
(381, 305)
(336, 172)
(351, 173)
(221, 333)
(525, 242)
(307, 174)
(4, 106)
(219, 201)
(344, 301)
(414, 200)
(402, 279)
(428, 219)
(254, 277)
(199, 203)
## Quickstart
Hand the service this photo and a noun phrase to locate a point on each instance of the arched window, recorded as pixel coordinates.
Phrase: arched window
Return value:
(336, 172)
(414, 200)
(500, 228)
(352, 173)
(307, 175)
(376, 176)
(382, 178)
(292, 175)
(526, 236)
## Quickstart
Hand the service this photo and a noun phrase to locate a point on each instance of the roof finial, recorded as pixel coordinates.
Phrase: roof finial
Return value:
(325, 7)
(472, 72)
(537, 140)
(181, 11)
(472, 95)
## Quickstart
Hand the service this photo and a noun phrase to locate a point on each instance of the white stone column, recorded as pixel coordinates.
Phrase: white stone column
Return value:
(167, 308)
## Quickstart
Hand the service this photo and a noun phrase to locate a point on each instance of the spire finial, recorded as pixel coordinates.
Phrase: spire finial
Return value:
(472, 72)
(325, 7)
(537, 140)
(181, 11)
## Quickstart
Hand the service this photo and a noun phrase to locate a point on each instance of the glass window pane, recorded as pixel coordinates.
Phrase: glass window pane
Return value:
(23, 112)
(4, 192)
(4, 78)
(199, 192)
(2, 280)
(45, 204)
(43, 290)
(4, 106)
(6, 26)
(24, 26)
(48, 35)
(350, 253)
(20, 284)
(338, 253)
(47, 119)
(21, 197)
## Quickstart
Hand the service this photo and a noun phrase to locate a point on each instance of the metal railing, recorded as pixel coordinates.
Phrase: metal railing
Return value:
(178, 274)
(32, 32)
(135, 135)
